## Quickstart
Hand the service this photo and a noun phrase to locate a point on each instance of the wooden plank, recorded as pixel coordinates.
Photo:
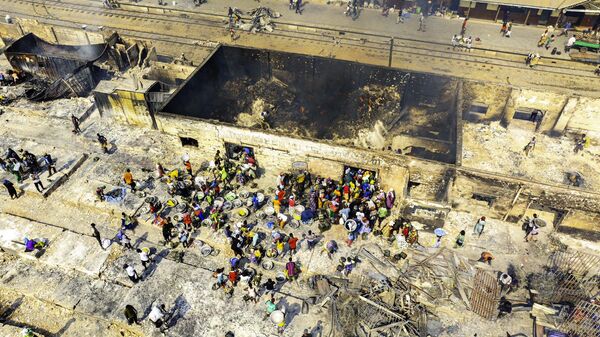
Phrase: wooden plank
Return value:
(484, 297)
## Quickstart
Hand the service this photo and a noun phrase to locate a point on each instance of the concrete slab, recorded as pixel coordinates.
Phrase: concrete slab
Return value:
(76, 251)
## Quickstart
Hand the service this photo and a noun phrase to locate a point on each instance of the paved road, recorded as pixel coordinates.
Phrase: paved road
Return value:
(439, 29)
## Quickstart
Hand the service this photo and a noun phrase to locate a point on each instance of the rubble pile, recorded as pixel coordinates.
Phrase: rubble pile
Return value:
(260, 20)
(393, 296)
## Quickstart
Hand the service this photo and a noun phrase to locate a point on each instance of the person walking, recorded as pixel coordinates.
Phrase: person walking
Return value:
(144, 258)
(131, 273)
(460, 240)
(131, 314)
(128, 179)
(400, 18)
(10, 187)
(75, 122)
(96, 235)
(50, 164)
(529, 147)
(479, 226)
(290, 269)
(37, 182)
(125, 240)
(299, 7)
(508, 30)
(103, 142)
(421, 22)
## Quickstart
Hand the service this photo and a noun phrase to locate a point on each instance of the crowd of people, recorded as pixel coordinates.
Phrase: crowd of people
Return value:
(25, 165)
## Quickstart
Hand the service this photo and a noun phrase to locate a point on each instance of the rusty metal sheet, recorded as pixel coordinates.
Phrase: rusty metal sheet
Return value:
(485, 295)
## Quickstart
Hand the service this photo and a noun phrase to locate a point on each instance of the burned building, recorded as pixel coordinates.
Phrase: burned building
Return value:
(417, 131)
(62, 70)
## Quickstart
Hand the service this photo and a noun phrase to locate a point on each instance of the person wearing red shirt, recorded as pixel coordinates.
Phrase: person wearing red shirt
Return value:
(292, 243)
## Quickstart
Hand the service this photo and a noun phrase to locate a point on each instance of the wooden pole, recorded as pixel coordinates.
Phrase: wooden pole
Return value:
(527, 17)
(497, 12)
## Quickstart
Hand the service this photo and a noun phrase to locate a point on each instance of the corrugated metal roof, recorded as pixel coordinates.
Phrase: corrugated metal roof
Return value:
(541, 4)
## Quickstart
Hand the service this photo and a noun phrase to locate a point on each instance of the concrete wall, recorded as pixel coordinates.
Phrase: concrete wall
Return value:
(276, 153)
(490, 95)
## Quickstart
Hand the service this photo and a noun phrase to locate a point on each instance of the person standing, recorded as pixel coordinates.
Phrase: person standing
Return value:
(131, 273)
(75, 121)
(10, 187)
(128, 179)
(292, 244)
(529, 147)
(50, 164)
(96, 235)
(131, 315)
(479, 226)
(167, 229)
(37, 182)
(508, 30)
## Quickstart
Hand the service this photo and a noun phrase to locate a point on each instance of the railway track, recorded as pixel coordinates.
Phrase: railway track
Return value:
(146, 22)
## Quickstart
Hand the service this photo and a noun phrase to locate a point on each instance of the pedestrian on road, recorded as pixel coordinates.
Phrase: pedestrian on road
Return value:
(463, 29)
(50, 164)
(133, 275)
(454, 41)
(479, 226)
(10, 187)
(469, 43)
(131, 315)
(504, 28)
(508, 30)
(400, 18)
(37, 182)
(299, 7)
(529, 147)
(75, 121)
(421, 22)
(128, 179)
(96, 235)
(144, 258)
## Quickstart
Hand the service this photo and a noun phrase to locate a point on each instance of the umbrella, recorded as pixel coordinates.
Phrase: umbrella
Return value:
(439, 232)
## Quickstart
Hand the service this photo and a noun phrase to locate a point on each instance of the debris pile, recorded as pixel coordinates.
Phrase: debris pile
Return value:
(260, 20)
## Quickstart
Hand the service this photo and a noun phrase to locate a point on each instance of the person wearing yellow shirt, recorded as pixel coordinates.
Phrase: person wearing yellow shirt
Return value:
(128, 179)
